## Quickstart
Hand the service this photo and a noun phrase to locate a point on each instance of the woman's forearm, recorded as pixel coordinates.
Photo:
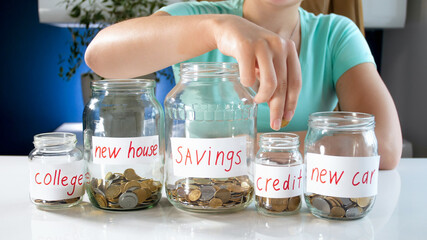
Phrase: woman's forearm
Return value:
(143, 45)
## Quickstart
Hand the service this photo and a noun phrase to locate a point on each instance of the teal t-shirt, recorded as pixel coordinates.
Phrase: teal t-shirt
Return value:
(330, 45)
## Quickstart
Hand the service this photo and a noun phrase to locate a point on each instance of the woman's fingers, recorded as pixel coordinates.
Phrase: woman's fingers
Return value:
(294, 83)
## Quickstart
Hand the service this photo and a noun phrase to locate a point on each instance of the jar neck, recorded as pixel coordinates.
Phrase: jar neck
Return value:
(55, 142)
(288, 142)
(124, 86)
(209, 72)
(342, 121)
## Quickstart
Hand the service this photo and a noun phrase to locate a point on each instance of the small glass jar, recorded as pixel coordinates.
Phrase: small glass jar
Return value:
(210, 132)
(278, 174)
(57, 171)
(341, 157)
(124, 144)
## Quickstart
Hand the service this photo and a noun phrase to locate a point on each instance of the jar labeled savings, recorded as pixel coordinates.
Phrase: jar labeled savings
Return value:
(210, 132)
(342, 162)
(123, 144)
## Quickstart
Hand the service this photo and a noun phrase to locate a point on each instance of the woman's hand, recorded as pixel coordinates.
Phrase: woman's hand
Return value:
(276, 59)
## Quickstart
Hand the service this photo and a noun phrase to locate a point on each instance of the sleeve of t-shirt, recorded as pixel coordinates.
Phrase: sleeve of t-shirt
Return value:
(349, 47)
(193, 8)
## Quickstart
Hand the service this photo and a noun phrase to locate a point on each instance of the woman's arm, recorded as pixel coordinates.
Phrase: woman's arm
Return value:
(143, 45)
(361, 89)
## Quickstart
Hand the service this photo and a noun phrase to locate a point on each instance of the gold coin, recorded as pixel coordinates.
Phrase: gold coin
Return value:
(294, 203)
(215, 202)
(363, 202)
(194, 195)
(101, 200)
(279, 204)
(112, 192)
(223, 194)
(109, 176)
(147, 192)
(237, 189)
(141, 194)
(131, 184)
(337, 212)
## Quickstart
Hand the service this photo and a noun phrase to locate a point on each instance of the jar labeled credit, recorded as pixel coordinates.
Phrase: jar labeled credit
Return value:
(57, 171)
(123, 141)
(210, 130)
(278, 175)
(342, 162)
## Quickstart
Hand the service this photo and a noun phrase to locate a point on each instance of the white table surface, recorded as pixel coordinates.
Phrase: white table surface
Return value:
(399, 213)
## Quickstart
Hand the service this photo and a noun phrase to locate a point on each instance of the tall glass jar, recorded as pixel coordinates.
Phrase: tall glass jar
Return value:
(341, 157)
(57, 171)
(124, 144)
(278, 177)
(210, 132)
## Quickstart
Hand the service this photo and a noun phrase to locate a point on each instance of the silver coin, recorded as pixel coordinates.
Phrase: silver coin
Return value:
(208, 193)
(353, 212)
(97, 191)
(346, 202)
(128, 200)
(321, 204)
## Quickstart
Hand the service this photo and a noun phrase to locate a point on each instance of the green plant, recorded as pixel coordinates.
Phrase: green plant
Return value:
(92, 16)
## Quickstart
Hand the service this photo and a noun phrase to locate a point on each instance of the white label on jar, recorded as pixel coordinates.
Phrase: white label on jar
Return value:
(348, 177)
(278, 181)
(55, 182)
(209, 157)
(112, 150)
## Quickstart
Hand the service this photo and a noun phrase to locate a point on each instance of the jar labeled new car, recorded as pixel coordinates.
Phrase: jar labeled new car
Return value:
(210, 132)
(123, 144)
(342, 162)
(279, 180)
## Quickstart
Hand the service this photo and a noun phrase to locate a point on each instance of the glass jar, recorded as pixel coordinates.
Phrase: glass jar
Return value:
(210, 132)
(57, 171)
(278, 174)
(341, 157)
(124, 144)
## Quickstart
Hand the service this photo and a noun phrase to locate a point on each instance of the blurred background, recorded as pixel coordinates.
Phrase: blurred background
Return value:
(34, 99)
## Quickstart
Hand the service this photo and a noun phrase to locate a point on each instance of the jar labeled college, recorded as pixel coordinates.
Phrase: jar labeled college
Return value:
(123, 141)
(210, 131)
(278, 177)
(57, 171)
(342, 162)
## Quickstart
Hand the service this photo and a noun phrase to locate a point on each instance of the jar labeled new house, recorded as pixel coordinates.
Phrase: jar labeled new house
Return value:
(279, 180)
(210, 132)
(123, 144)
(341, 157)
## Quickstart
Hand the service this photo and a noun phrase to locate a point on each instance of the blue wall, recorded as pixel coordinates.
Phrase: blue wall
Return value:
(33, 98)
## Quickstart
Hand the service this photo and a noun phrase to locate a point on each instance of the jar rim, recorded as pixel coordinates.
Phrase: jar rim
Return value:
(279, 140)
(54, 139)
(341, 120)
(122, 84)
(197, 70)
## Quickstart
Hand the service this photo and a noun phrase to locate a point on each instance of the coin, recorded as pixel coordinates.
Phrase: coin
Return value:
(101, 200)
(132, 183)
(363, 202)
(278, 204)
(208, 192)
(128, 200)
(337, 212)
(109, 176)
(294, 203)
(354, 212)
(223, 194)
(215, 202)
(141, 194)
(194, 195)
(321, 204)
(112, 192)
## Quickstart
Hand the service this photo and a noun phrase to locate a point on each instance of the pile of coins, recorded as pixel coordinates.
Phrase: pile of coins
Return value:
(58, 202)
(336, 207)
(125, 191)
(211, 193)
(278, 205)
